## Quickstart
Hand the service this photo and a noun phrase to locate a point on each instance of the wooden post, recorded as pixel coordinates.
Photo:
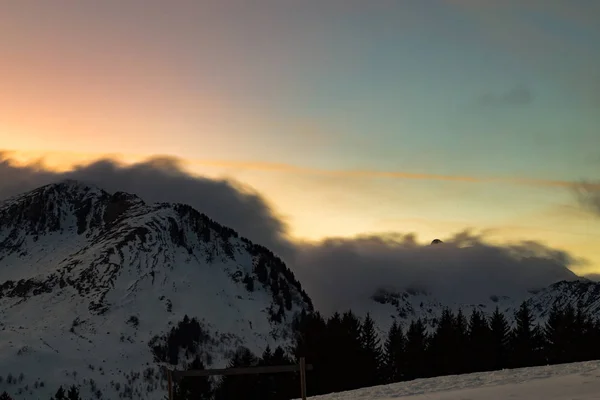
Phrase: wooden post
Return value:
(303, 377)
(170, 384)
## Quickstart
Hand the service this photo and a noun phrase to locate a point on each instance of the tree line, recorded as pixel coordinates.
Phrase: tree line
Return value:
(347, 353)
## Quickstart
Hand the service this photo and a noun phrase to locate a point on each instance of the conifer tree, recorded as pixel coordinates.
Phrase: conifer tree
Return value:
(442, 349)
(585, 343)
(594, 335)
(554, 332)
(310, 330)
(394, 357)
(525, 338)
(416, 347)
(479, 343)
(499, 337)
(570, 333)
(351, 343)
(371, 357)
(337, 345)
(73, 393)
(460, 349)
(60, 394)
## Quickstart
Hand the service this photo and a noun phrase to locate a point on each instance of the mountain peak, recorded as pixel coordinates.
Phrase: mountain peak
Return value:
(104, 275)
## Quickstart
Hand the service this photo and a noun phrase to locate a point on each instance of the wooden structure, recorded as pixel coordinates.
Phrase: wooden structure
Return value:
(302, 367)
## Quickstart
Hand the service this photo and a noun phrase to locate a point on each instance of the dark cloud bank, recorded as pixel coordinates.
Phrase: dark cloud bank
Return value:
(335, 272)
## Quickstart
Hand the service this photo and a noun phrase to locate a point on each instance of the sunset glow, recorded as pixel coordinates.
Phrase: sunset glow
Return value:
(348, 117)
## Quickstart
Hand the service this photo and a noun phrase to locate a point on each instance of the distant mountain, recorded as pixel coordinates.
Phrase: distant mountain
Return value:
(405, 306)
(94, 286)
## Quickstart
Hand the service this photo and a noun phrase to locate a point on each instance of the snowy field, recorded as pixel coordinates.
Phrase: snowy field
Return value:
(579, 381)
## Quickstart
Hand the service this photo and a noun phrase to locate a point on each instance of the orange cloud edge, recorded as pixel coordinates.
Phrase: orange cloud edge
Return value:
(71, 160)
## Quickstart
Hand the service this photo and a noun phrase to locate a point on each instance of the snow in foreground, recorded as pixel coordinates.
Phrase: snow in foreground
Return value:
(579, 381)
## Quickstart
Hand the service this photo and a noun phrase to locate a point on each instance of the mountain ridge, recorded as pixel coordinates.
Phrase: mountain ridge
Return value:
(75, 259)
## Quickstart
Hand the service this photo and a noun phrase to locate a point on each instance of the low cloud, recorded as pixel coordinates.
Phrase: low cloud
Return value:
(335, 272)
(463, 269)
(163, 180)
(588, 195)
(518, 96)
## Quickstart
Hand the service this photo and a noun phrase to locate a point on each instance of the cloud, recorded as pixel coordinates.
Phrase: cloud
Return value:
(366, 173)
(588, 195)
(164, 180)
(518, 96)
(336, 272)
(328, 173)
(463, 269)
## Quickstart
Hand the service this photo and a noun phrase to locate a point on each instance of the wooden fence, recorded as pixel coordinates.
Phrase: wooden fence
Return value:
(301, 367)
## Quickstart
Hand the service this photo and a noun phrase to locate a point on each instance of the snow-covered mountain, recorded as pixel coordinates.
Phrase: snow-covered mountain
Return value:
(404, 306)
(94, 286)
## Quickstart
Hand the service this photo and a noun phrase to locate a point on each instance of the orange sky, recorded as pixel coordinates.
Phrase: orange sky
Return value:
(317, 204)
(349, 117)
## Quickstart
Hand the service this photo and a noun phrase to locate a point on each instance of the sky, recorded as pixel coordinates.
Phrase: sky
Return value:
(348, 117)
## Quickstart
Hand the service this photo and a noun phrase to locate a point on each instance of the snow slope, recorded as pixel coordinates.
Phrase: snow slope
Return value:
(405, 306)
(89, 281)
(579, 381)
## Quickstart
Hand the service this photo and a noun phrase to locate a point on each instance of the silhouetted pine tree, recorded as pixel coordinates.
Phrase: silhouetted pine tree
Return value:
(394, 357)
(586, 344)
(461, 338)
(310, 331)
(479, 343)
(351, 347)
(443, 344)
(555, 335)
(500, 340)
(73, 393)
(371, 357)
(416, 350)
(5, 396)
(336, 342)
(570, 333)
(261, 271)
(594, 337)
(60, 394)
(525, 343)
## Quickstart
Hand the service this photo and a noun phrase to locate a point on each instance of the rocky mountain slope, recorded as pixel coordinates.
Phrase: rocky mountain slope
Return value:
(95, 286)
